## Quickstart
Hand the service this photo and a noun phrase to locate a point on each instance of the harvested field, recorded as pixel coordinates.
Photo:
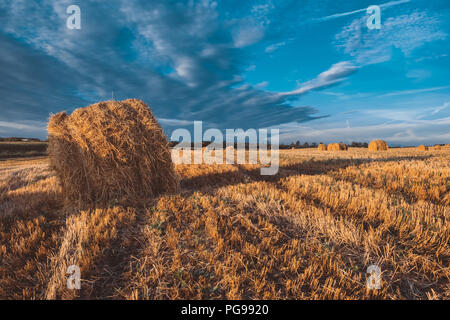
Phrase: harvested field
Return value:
(309, 232)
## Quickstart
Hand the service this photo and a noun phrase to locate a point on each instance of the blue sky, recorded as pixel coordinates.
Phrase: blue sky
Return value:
(311, 68)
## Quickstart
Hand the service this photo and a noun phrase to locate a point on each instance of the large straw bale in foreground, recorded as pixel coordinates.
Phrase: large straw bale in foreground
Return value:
(422, 147)
(322, 147)
(337, 147)
(110, 152)
(378, 145)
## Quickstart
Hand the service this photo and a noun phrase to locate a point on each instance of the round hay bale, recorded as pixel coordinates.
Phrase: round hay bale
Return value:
(322, 147)
(422, 147)
(110, 152)
(209, 152)
(437, 147)
(337, 147)
(378, 145)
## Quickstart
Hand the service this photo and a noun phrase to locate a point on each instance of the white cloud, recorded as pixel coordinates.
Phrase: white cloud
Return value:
(20, 126)
(404, 133)
(275, 47)
(409, 115)
(440, 108)
(394, 114)
(247, 33)
(262, 84)
(433, 57)
(415, 91)
(418, 74)
(344, 14)
(174, 122)
(406, 32)
(337, 73)
(23, 129)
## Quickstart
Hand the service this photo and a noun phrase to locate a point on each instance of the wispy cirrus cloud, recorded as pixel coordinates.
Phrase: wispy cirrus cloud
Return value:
(247, 33)
(440, 108)
(174, 122)
(414, 91)
(23, 128)
(349, 13)
(275, 46)
(338, 72)
(406, 32)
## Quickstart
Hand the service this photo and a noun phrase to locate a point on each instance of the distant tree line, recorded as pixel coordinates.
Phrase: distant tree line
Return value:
(296, 145)
(299, 145)
(206, 143)
(18, 139)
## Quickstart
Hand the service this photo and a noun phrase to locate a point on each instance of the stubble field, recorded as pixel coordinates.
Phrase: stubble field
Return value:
(309, 232)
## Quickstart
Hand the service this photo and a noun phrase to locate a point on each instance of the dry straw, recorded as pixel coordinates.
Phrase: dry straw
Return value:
(437, 147)
(322, 147)
(378, 145)
(422, 147)
(337, 147)
(110, 152)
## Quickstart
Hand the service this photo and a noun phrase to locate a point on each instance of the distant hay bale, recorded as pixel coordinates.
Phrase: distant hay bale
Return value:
(322, 147)
(337, 147)
(209, 152)
(422, 147)
(378, 145)
(112, 151)
(437, 147)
